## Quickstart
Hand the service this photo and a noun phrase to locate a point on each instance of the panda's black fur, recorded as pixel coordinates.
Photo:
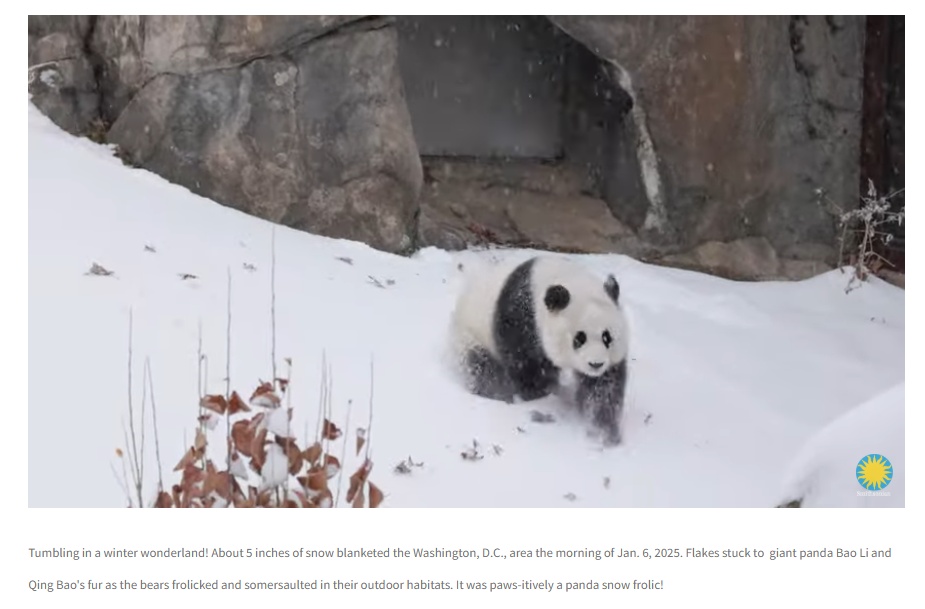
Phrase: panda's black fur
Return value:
(513, 360)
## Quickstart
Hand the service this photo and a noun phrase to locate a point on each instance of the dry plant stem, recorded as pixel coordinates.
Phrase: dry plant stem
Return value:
(343, 453)
(131, 466)
(328, 408)
(131, 415)
(157, 445)
(288, 409)
(228, 379)
(202, 411)
(369, 427)
(121, 482)
(273, 302)
(321, 397)
(144, 403)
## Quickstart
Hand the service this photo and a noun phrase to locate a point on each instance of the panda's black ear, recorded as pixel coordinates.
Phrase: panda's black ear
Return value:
(612, 288)
(557, 298)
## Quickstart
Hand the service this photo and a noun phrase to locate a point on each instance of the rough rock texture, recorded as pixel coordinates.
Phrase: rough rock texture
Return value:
(61, 73)
(749, 118)
(299, 120)
(706, 142)
(134, 49)
(516, 204)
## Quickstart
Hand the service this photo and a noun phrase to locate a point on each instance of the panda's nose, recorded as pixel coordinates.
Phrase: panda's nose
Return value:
(596, 365)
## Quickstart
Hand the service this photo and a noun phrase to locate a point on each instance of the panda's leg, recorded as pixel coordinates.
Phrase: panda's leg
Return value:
(534, 379)
(487, 377)
(602, 397)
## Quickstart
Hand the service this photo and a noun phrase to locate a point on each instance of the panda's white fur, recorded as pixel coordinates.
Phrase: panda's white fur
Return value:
(590, 310)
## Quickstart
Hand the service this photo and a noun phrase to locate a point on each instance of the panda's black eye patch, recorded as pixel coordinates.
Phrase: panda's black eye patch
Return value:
(606, 338)
(580, 339)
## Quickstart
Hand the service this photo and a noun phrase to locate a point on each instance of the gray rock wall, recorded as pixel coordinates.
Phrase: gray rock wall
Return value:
(750, 118)
(700, 137)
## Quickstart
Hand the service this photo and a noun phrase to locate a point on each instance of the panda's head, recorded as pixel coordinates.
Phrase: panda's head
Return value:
(586, 331)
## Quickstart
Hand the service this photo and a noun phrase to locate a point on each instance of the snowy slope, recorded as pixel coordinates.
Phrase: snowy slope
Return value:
(819, 477)
(728, 380)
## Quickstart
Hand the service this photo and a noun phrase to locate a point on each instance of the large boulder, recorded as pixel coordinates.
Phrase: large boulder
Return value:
(742, 123)
(296, 119)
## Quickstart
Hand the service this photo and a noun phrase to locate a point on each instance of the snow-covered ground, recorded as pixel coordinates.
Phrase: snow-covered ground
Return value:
(728, 381)
(818, 476)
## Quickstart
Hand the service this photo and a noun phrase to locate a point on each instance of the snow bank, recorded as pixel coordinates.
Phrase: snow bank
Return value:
(823, 473)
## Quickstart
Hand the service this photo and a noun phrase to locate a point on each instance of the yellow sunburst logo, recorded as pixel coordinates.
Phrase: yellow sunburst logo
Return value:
(874, 472)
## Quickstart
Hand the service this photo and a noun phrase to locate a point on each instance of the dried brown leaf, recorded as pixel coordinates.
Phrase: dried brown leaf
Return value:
(215, 403)
(316, 479)
(330, 431)
(164, 500)
(357, 479)
(192, 475)
(259, 451)
(265, 397)
(217, 482)
(375, 496)
(191, 456)
(361, 439)
(313, 453)
(295, 458)
(236, 404)
(242, 435)
(119, 452)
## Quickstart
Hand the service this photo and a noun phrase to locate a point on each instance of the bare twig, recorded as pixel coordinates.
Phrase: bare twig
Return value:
(199, 365)
(144, 402)
(123, 482)
(228, 343)
(861, 233)
(131, 415)
(200, 358)
(132, 468)
(343, 453)
(369, 426)
(228, 379)
(321, 397)
(273, 301)
(157, 446)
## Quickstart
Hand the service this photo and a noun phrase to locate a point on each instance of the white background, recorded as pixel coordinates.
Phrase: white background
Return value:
(713, 582)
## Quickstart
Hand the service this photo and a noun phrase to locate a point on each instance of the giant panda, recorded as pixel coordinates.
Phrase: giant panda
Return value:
(519, 328)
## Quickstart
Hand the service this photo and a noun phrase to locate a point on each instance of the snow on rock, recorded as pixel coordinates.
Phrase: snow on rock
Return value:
(823, 474)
